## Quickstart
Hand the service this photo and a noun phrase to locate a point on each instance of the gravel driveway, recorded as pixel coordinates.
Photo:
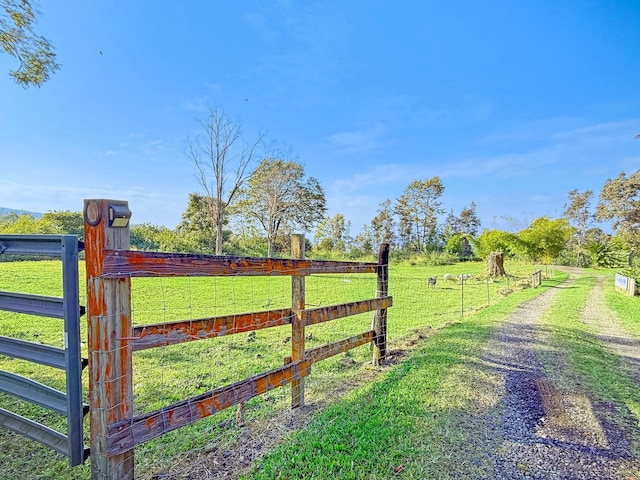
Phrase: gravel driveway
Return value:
(547, 433)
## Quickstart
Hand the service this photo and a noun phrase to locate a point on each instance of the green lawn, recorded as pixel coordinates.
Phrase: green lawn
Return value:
(627, 308)
(422, 418)
(169, 374)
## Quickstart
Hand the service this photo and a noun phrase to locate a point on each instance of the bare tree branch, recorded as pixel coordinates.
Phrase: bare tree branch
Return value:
(221, 161)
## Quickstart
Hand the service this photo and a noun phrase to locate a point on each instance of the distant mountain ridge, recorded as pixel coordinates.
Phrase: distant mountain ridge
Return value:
(6, 211)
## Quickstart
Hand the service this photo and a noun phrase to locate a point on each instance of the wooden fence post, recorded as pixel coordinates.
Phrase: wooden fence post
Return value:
(536, 279)
(297, 327)
(380, 316)
(461, 296)
(109, 326)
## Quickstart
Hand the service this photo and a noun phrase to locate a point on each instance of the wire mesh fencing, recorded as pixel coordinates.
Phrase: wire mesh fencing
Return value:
(165, 375)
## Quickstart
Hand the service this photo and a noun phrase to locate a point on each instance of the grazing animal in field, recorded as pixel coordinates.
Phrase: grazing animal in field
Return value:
(431, 282)
(464, 276)
(448, 277)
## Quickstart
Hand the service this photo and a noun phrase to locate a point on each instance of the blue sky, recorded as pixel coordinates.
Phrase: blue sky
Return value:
(511, 103)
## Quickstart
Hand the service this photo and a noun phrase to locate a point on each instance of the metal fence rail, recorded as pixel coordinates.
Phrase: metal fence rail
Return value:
(67, 308)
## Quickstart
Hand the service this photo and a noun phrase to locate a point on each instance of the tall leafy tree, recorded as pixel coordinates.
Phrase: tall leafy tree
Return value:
(418, 209)
(27, 224)
(222, 159)
(65, 221)
(51, 222)
(469, 221)
(383, 225)
(333, 234)
(495, 241)
(35, 55)
(466, 223)
(545, 238)
(620, 203)
(196, 227)
(8, 219)
(578, 213)
(147, 236)
(365, 240)
(280, 198)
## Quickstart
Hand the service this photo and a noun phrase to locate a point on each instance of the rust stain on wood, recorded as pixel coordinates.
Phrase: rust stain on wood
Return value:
(162, 334)
(127, 263)
(110, 389)
(332, 312)
(125, 434)
(330, 349)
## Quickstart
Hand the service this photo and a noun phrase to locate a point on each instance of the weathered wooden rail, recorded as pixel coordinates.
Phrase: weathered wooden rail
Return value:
(536, 278)
(115, 430)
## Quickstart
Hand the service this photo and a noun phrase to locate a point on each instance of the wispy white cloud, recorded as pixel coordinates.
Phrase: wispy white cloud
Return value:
(533, 173)
(377, 177)
(199, 104)
(562, 144)
(138, 145)
(562, 129)
(111, 153)
(509, 165)
(152, 147)
(359, 141)
(616, 130)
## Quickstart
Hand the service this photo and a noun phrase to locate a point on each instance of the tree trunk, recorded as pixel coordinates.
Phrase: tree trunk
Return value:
(219, 238)
(495, 264)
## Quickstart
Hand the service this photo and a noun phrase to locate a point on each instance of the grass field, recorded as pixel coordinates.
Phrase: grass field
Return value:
(627, 308)
(424, 419)
(169, 374)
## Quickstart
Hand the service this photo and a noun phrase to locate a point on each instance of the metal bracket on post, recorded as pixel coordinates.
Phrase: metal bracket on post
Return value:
(109, 328)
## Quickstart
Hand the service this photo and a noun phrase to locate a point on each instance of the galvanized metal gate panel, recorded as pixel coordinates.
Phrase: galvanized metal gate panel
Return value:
(68, 308)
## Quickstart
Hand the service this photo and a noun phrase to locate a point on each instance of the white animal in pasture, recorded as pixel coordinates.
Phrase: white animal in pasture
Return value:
(448, 277)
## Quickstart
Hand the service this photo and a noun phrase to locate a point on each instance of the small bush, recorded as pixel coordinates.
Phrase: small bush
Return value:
(631, 272)
(431, 259)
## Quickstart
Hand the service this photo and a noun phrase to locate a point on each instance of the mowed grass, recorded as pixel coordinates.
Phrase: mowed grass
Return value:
(168, 374)
(627, 308)
(423, 420)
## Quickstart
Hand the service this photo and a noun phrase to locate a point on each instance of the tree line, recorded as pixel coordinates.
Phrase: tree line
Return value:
(253, 196)
(279, 200)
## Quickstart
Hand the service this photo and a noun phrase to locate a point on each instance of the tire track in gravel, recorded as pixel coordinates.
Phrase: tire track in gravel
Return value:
(544, 433)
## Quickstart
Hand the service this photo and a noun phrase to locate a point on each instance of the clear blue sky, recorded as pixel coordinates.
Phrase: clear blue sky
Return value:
(512, 103)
